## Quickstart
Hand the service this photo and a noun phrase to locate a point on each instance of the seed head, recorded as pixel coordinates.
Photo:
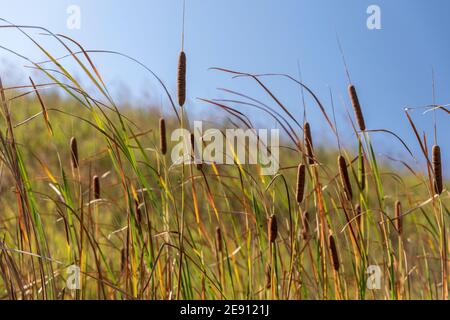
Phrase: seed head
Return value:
(300, 183)
(356, 107)
(273, 228)
(345, 180)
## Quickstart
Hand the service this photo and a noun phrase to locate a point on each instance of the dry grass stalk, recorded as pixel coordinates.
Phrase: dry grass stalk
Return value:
(437, 169)
(74, 152)
(162, 136)
(334, 252)
(96, 183)
(272, 228)
(356, 107)
(181, 82)
(345, 179)
(300, 183)
(308, 143)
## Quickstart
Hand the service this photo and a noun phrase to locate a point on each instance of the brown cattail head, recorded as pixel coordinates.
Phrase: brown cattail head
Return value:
(219, 240)
(358, 215)
(356, 107)
(74, 152)
(308, 143)
(162, 136)
(96, 183)
(334, 252)
(345, 180)
(305, 222)
(398, 217)
(137, 212)
(268, 276)
(273, 228)
(181, 83)
(300, 183)
(437, 169)
(123, 259)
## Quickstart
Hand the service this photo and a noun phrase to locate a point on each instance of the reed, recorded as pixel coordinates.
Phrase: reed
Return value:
(162, 136)
(219, 240)
(356, 107)
(181, 81)
(300, 183)
(345, 179)
(96, 183)
(398, 217)
(272, 228)
(74, 152)
(437, 169)
(334, 253)
(308, 143)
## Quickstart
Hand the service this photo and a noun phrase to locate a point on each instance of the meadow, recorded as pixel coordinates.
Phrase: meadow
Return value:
(88, 188)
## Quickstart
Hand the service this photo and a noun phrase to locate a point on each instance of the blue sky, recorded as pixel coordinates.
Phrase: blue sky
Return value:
(391, 67)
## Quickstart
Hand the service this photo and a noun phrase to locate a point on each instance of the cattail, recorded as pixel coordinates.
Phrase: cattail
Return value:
(74, 152)
(96, 182)
(300, 183)
(334, 253)
(137, 212)
(273, 228)
(162, 136)
(437, 169)
(123, 259)
(345, 178)
(398, 217)
(362, 169)
(181, 79)
(268, 276)
(356, 107)
(309, 143)
(219, 240)
(305, 222)
(358, 215)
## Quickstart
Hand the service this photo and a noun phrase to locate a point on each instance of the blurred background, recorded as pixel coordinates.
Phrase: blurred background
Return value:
(391, 67)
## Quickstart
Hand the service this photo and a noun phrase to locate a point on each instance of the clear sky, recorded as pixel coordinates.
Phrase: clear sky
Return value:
(391, 67)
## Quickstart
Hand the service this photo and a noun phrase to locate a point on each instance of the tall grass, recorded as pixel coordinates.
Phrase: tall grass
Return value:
(141, 227)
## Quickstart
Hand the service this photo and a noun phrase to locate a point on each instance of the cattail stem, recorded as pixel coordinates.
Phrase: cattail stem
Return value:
(345, 180)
